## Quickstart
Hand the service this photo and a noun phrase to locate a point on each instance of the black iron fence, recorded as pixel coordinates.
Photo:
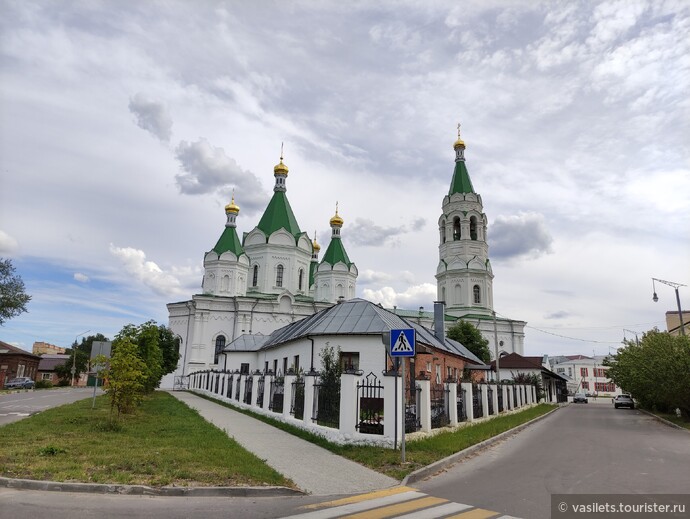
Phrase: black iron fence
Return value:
(370, 405)
(248, 383)
(326, 407)
(490, 401)
(237, 387)
(440, 416)
(477, 409)
(277, 393)
(460, 400)
(297, 404)
(260, 391)
(412, 400)
(500, 398)
(230, 382)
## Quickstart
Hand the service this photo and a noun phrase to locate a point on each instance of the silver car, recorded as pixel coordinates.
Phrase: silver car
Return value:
(20, 383)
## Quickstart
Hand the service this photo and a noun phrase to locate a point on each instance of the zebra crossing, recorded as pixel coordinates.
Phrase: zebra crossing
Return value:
(397, 502)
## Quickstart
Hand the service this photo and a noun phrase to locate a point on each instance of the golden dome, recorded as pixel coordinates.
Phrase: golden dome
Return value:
(232, 207)
(315, 245)
(337, 220)
(280, 169)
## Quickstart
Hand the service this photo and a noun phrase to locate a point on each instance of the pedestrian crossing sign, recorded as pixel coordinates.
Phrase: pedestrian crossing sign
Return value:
(402, 343)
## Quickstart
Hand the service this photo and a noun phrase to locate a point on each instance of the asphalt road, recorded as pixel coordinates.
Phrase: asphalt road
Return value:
(15, 406)
(580, 449)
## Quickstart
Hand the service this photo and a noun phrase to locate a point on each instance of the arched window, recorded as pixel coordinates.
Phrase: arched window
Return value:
(443, 232)
(220, 346)
(473, 228)
(279, 276)
(456, 228)
(477, 295)
(443, 294)
(255, 277)
(300, 279)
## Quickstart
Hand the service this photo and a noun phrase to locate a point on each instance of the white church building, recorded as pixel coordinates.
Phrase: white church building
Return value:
(273, 277)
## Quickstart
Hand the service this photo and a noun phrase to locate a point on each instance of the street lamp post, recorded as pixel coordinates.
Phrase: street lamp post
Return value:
(675, 286)
(74, 355)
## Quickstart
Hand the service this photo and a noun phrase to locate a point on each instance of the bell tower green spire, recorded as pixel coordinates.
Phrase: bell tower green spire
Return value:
(461, 182)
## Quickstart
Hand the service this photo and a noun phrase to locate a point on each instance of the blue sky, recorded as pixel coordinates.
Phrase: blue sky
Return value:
(125, 127)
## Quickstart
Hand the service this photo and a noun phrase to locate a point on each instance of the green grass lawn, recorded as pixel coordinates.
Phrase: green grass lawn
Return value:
(674, 419)
(418, 453)
(163, 443)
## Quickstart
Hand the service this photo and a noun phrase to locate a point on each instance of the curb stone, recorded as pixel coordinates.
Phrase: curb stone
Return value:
(142, 490)
(439, 465)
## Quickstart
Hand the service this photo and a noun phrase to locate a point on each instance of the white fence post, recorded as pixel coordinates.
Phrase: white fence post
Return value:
(452, 394)
(485, 400)
(424, 411)
(309, 382)
(348, 403)
(287, 392)
(469, 398)
(391, 384)
(255, 389)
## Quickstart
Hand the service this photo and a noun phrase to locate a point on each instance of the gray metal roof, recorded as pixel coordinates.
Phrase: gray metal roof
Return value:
(352, 317)
(247, 343)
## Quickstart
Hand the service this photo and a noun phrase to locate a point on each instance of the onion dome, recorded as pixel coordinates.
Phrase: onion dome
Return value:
(337, 220)
(232, 207)
(280, 168)
(315, 245)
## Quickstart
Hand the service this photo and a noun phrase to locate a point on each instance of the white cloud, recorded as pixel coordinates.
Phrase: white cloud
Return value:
(8, 245)
(151, 116)
(146, 272)
(411, 298)
(82, 278)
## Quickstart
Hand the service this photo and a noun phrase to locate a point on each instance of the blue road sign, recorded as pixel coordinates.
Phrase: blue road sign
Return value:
(402, 343)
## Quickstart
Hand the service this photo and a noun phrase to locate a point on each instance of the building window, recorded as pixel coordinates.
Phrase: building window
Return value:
(583, 372)
(477, 295)
(244, 368)
(275, 366)
(438, 373)
(443, 232)
(255, 276)
(279, 276)
(456, 228)
(220, 346)
(349, 361)
(585, 384)
(46, 376)
(285, 366)
(473, 228)
(295, 363)
(265, 367)
(300, 278)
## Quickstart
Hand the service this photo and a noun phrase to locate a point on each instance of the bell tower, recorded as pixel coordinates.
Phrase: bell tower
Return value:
(464, 278)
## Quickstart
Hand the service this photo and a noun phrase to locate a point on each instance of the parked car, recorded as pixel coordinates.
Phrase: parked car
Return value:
(19, 383)
(623, 401)
(580, 397)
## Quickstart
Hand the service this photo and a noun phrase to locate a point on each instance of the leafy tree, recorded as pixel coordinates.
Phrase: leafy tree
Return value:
(329, 393)
(158, 348)
(471, 338)
(125, 376)
(531, 379)
(64, 371)
(13, 299)
(656, 371)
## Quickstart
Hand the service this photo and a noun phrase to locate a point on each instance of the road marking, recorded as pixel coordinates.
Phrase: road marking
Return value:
(477, 513)
(362, 497)
(339, 511)
(436, 511)
(400, 508)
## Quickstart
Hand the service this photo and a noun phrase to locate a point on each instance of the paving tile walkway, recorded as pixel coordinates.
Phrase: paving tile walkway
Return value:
(312, 468)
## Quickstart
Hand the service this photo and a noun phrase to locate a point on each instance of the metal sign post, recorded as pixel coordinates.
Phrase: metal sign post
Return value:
(402, 344)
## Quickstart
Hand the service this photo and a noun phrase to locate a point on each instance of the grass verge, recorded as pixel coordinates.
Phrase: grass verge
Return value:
(163, 443)
(418, 453)
(673, 418)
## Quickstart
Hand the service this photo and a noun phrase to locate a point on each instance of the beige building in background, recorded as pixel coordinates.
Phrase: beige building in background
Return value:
(41, 348)
(673, 322)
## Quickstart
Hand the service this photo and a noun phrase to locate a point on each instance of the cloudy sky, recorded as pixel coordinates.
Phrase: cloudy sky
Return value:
(126, 126)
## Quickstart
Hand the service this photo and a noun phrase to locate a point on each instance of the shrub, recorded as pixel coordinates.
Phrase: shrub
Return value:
(43, 384)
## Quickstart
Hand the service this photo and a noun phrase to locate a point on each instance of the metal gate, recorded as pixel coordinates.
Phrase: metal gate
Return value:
(277, 393)
(490, 399)
(460, 403)
(326, 408)
(370, 405)
(477, 409)
(500, 399)
(412, 400)
(260, 391)
(248, 383)
(230, 381)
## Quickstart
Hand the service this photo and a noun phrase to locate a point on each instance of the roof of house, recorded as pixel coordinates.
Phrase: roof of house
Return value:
(8, 349)
(247, 342)
(355, 317)
(517, 361)
(48, 362)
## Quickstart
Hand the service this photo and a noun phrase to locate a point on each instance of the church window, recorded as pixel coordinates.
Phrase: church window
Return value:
(456, 228)
(477, 295)
(300, 278)
(443, 232)
(279, 276)
(473, 228)
(220, 346)
(225, 283)
(255, 277)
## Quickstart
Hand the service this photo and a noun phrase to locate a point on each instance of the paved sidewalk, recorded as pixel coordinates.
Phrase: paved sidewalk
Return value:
(312, 468)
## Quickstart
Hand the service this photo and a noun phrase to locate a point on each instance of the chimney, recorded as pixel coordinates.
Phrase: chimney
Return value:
(439, 313)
